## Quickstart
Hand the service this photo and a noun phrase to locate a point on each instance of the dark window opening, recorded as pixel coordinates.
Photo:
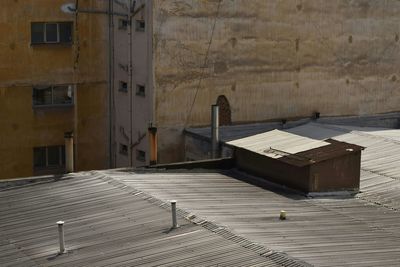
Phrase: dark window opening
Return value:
(37, 33)
(65, 31)
(51, 157)
(140, 90)
(140, 25)
(123, 24)
(51, 32)
(123, 86)
(123, 149)
(52, 95)
(140, 155)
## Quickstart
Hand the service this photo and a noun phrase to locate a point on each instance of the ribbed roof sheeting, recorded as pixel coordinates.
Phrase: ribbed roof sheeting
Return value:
(273, 143)
(328, 231)
(109, 224)
(380, 161)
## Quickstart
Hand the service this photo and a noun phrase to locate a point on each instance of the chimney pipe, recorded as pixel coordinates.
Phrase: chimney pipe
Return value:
(69, 151)
(61, 236)
(214, 131)
(153, 144)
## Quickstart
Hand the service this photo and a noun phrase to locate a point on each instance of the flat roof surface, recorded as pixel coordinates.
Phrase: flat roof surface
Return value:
(110, 224)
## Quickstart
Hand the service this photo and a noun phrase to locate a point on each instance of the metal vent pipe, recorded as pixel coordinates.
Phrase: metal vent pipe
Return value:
(69, 151)
(61, 236)
(173, 212)
(153, 144)
(214, 131)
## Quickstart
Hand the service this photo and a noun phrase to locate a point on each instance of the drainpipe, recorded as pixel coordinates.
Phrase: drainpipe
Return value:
(153, 144)
(111, 134)
(69, 151)
(214, 131)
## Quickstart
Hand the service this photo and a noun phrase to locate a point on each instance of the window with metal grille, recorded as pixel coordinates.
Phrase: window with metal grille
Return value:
(48, 157)
(53, 95)
(51, 32)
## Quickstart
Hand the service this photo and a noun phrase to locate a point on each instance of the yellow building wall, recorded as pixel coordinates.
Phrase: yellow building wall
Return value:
(22, 65)
(272, 60)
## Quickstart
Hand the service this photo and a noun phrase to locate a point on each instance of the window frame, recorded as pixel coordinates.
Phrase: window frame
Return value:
(140, 155)
(122, 150)
(44, 33)
(52, 97)
(123, 24)
(47, 166)
(138, 25)
(139, 91)
(123, 86)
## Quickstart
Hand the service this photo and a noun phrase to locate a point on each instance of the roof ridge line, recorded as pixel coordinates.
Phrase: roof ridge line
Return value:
(278, 257)
(356, 132)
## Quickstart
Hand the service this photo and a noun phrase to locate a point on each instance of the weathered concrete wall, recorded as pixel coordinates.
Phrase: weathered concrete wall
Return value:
(23, 65)
(273, 59)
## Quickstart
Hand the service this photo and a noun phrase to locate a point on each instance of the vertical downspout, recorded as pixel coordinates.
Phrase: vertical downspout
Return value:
(150, 71)
(153, 144)
(131, 12)
(75, 87)
(110, 82)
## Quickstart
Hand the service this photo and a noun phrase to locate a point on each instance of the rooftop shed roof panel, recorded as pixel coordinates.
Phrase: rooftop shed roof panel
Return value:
(277, 144)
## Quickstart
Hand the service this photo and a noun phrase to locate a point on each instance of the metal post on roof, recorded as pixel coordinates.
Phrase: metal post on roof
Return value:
(173, 211)
(61, 236)
(69, 151)
(214, 131)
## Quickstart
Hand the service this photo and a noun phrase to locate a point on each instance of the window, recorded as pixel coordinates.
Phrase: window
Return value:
(140, 90)
(53, 95)
(51, 32)
(50, 157)
(123, 24)
(123, 86)
(140, 25)
(123, 149)
(140, 155)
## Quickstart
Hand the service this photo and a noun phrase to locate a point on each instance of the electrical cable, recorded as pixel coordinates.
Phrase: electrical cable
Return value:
(205, 63)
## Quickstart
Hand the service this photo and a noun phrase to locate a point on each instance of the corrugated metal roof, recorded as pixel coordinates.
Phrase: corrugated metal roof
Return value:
(380, 161)
(323, 231)
(277, 144)
(110, 224)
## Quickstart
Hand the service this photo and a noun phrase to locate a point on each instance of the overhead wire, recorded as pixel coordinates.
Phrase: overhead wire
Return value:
(203, 67)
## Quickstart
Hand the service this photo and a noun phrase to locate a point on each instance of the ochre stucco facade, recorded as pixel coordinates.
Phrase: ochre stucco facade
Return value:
(82, 64)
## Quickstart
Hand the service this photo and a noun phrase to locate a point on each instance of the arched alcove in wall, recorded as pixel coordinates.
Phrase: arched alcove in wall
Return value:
(224, 110)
